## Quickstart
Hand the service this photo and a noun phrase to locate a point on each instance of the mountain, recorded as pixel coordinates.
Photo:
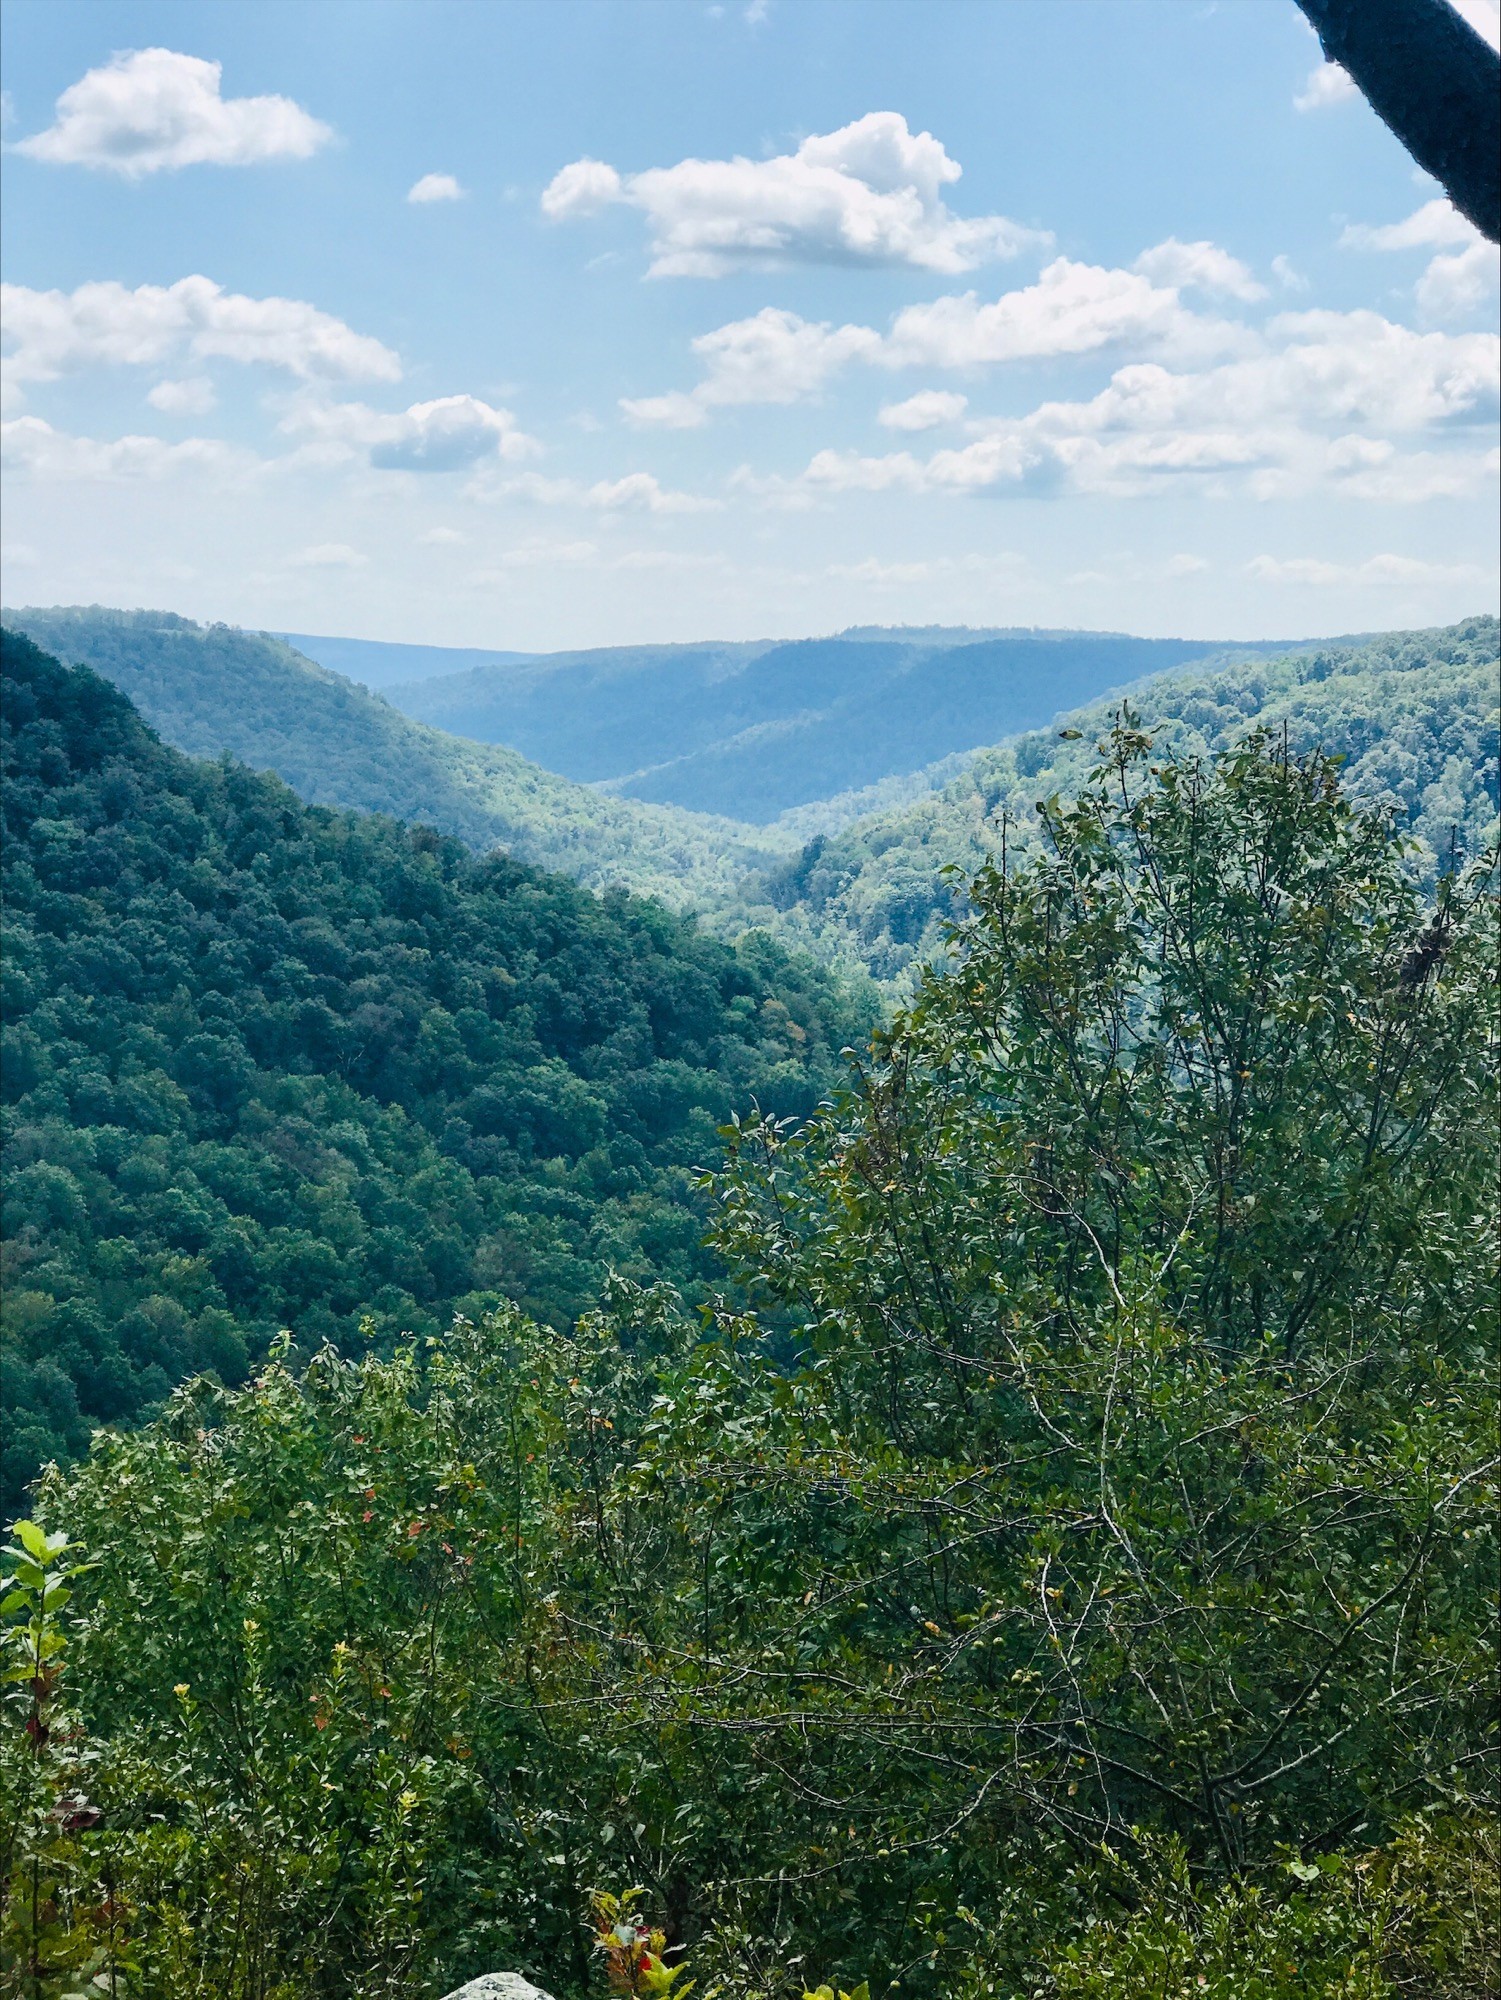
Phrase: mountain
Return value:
(381, 663)
(214, 688)
(270, 1065)
(1413, 713)
(753, 731)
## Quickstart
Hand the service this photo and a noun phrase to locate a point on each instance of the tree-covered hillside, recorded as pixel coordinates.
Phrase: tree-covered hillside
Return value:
(271, 1065)
(1065, 1571)
(1414, 714)
(755, 731)
(213, 688)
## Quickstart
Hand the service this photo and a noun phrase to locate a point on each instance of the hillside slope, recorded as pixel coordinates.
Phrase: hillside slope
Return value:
(270, 1065)
(1414, 714)
(213, 688)
(754, 732)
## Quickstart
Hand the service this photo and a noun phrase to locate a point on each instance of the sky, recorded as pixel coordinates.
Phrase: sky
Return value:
(552, 323)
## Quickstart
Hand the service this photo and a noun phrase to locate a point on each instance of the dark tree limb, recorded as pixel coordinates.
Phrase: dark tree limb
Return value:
(1434, 81)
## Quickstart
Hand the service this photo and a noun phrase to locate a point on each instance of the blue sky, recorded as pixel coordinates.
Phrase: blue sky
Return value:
(732, 320)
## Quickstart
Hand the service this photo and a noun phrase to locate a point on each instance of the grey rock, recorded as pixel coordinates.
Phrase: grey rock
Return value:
(498, 1986)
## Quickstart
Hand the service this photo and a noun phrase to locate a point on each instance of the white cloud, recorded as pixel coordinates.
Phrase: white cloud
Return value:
(441, 538)
(1204, 266)
(1437, 225)
(869, 193)
(19, 555)
(1328, 84)
(582, 188)
(435, 187)
(1317, 407)
(925, 411)
(1071, 309)
(777, 357)
(1392, 569)
(449, 432)
(773, 357)
(34, 447)
(676, 411)
(57, 333)
(1288, 275)
(330, 555)
(633, 492)
(642, 492)
(1455, 285)
(444, 435)
(192, 396)
(1459, 279)
(149, 109)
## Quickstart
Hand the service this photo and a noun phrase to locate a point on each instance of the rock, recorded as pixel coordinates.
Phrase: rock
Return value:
(498, 1986)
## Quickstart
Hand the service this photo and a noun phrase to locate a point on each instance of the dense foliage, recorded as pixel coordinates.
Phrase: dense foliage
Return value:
(267, 1066)
(212, 688)
(1071, 1575)
(1413, 714)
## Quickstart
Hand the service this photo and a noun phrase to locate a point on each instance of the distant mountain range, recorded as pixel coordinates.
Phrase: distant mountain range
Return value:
(752, 731)
(382, 663)
(855, 876)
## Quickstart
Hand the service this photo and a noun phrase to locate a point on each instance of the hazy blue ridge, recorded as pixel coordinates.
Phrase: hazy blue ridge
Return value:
(753, 732)
(381, 663)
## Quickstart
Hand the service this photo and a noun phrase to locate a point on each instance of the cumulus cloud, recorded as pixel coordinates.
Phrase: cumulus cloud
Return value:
(777, 357)
(147, 110)
(444, 435)
(435, 187)
(191, 396)
(1437, 225)
(1071, 309)
(1204, 266)
(57, 333)
(870, 193)
(1318, 406)
(1288, 275)
(1459, 279)
(773, 357)
(441, 538)
(925, 411)
(1455, 285)
(633, 492)
(1326, 85)
(33, 447)
(642, 492)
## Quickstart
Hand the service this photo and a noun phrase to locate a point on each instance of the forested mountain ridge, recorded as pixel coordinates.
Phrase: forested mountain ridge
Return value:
(213, 688)
(756, 731)
(271, 1065)
(1414, 715)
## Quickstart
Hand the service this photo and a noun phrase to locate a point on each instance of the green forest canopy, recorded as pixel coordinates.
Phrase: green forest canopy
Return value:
(272, 1065)
(1066, 1572)
(1412, 714)
(210, 688)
